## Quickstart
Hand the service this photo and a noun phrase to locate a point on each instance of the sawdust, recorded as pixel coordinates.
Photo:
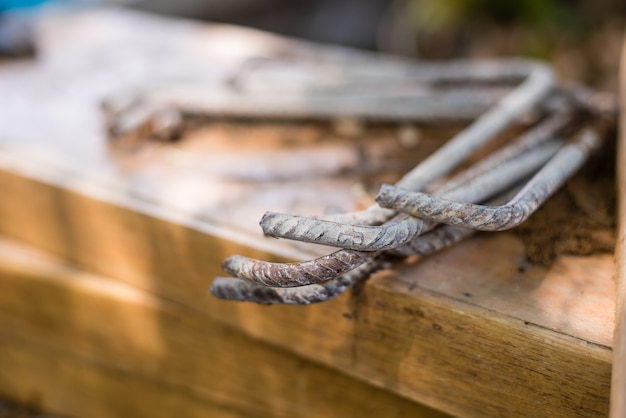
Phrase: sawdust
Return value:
(580, 218)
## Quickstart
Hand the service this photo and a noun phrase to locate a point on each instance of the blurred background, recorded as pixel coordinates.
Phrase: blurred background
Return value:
(581, 38)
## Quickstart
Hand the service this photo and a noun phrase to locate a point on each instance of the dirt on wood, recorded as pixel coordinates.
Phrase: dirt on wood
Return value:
(580, 218)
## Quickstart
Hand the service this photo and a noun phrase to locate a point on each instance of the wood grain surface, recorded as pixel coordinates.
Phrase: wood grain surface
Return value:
(432, 331)
(83, 345)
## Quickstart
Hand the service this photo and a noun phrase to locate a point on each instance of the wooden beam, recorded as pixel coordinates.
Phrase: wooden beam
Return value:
(61, 383)
(468, 356)
(82, 345)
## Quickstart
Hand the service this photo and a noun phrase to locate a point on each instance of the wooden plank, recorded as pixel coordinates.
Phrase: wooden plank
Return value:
(63, 384)
(468, 331)
(82, 345)
(431, 345)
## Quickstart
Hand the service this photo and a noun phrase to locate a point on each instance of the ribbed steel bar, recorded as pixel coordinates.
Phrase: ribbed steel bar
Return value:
(326, 277)
(485, 218)
(368, 91)
(444, 235)
(244, 290)
(394, 234)
(441, 237)
(537, 84)
(547, 129)
(332, 265)
(295, 274)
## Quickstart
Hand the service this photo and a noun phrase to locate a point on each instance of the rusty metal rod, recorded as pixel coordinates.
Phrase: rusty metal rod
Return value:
(522, 99)
(332, 265)
(444, 235)
(295, 274)
(542, 132)
(539, 82)
(243, 290)
(364, 91)
(485, 218)
(394, 234)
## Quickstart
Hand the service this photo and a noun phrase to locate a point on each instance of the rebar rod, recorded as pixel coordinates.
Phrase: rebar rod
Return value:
(538, 83)
(295, 274)
(485, 218)
(444, 235)
(366, 242)
(394, 234)
(332, 265)
(360, 91)
(243, 290)
(545, 130)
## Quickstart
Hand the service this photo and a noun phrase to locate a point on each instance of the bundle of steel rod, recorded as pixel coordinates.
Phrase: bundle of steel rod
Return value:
(511, 183)
(428, 209)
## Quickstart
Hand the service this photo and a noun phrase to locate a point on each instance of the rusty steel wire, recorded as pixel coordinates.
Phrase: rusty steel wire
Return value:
(236, 289)
(367, 91)
(330, 266)
(295, 274)
(443, 236)
(488, 218)
(368, 237)
(396, 233)
(537, 84)
(244, 290)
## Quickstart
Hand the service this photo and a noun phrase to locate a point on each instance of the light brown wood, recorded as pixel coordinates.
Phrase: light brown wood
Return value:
(82, 345)
(618, 380)
(54, 381)
(468, 356)
(473, 331)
